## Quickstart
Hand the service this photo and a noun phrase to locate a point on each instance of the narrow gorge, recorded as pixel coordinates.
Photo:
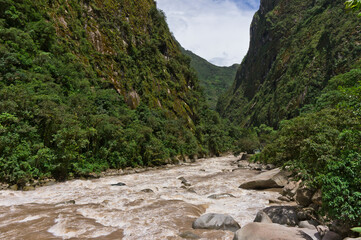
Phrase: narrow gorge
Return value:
(109, 129)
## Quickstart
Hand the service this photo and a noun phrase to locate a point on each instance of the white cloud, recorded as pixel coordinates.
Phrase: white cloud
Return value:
(217, 30)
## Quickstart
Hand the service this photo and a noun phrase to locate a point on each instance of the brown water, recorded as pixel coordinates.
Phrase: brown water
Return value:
(102, 211)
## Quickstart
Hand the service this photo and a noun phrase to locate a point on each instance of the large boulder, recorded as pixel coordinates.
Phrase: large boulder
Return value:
(291, 188)
(304, 196)
(286, 215)
(275, 178)
(262, 217)
(313, 233)
(268, 231)
(216, 221)
(331, 236)
(310, 224)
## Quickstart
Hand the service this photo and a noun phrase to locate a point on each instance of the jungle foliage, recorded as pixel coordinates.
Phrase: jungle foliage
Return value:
(323, 144)
(302, 76)
(213, 79)
(91, 85)
(296, 48)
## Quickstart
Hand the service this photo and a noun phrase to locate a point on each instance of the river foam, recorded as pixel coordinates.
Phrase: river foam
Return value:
(152, 205)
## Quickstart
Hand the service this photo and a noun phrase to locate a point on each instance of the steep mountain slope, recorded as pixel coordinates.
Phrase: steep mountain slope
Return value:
(213, 79)
(90, 85)
(295, 48)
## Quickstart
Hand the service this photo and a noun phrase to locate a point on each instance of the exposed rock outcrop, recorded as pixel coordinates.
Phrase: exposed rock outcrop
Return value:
(275, 178)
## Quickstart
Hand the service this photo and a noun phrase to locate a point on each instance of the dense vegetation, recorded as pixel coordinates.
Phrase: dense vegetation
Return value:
(296, 48)
(306, 82)
(91, 85)
(213, 79)
(324, 145)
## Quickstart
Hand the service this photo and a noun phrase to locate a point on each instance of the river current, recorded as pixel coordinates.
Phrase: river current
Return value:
(152, 205)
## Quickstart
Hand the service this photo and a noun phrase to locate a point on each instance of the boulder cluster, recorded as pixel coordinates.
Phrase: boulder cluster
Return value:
(285, 221)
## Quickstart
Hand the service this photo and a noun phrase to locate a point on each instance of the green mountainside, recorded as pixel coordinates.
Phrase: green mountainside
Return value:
(302, 76)
(214, 80)
(296, 48)
(90, 85)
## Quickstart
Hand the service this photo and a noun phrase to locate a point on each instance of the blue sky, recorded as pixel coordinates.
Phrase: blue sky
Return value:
(217, 30)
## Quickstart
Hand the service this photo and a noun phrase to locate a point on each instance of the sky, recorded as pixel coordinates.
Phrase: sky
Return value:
(217, 30)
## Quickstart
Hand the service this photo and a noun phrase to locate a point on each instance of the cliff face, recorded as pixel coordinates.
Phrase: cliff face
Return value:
(87, 85)
(295, 48)
(128, 44)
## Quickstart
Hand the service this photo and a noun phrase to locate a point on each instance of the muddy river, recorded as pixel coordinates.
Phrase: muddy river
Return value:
(151, 205)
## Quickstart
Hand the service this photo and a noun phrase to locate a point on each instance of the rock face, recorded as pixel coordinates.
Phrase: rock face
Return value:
(267, 231)
(304, 196)
(275, 178)
(216, 221)
(283, 215)
(290, 189)
(271, 84)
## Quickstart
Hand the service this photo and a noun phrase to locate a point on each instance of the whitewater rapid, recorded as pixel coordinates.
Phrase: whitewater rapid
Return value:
(151, 205)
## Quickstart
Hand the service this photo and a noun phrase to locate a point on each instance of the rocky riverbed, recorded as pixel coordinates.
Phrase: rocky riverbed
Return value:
(157, 204)
(209, 199)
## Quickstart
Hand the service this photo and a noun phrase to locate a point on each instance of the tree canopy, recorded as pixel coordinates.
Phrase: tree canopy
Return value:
(353, 5)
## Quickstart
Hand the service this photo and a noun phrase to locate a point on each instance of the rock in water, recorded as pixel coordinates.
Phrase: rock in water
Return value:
(216, 221)
(221, 195)
(275, 178)
(189, 235)
(268, 231)
(119, 184)
(184, 181)
(147, 190)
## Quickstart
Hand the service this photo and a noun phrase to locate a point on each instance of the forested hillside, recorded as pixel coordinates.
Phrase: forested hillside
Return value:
(91, 85)
(214, 80)
(302, 75)
(296, 48)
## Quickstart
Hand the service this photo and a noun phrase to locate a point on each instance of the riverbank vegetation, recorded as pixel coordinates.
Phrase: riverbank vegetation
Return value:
(323, 144)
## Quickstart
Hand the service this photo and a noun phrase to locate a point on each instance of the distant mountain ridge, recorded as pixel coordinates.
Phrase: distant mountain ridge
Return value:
(213, 79)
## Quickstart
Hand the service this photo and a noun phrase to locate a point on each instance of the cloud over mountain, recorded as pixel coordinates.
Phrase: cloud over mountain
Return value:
(217, 30)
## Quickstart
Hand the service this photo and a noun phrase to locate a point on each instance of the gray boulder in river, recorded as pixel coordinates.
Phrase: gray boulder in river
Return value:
(275, 178)
(269, 231)
(216, 221)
